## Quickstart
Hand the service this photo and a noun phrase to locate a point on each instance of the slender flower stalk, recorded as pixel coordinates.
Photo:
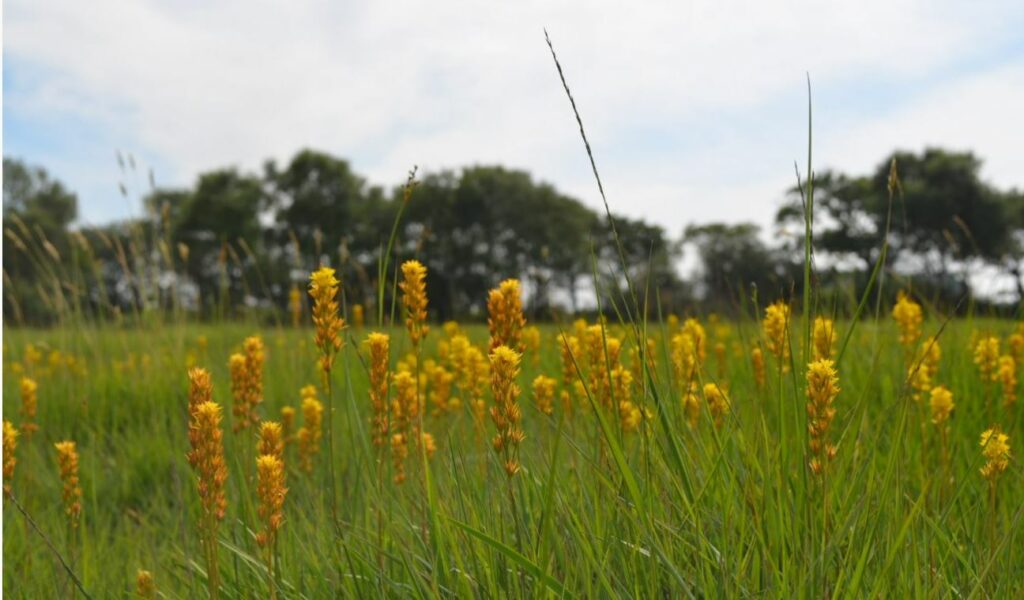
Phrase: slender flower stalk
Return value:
(505, 318)
(271, 492)
(10, 445)
(207, 460)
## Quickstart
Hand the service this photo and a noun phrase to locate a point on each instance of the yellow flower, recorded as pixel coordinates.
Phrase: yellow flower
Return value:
(941, 404)
(247, 382)
(822, 389)
(287, 423)
(908, 317)
(544, 393)
(776, 331)
(986, 356)
(145, 587)
(29, 389)
(10, 444)
(67, 460)
(995, 446)
(200, 388)
(379, 345)
(207, 459)
(358, 315)
(505, 412)
(414, 299)
(505, 316)
(310, 434)
(688, 352)
(271, 439)
(531, 343)
(718, 403)
(757, 360)
(404, 408)
(1006, 375)
(824, 338)
(323, 288)
(691, 405)
(271, 490)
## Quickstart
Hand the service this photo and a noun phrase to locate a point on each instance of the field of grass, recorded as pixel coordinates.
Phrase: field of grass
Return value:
(609, 501)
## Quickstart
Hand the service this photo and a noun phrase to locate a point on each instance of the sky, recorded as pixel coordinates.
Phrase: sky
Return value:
(697, 111)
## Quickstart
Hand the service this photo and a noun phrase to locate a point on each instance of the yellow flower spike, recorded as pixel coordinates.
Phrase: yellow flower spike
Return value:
(311, 433)
(287, 423)
(379, 345)
(505, 318)
(544, 394)
(822, 389)
(757, 361)
(995, 446)
(358, 316)
(67, 461)
(295, 305)
(323, 289)
(776, 331)
(10, 445)
(1006, 375)
(271, 440)
(941, 403)
(908, 317)
(986, 357)
(414, 299)
(505, 412)
(145, 586)
(29, 389)
(718, 403)
(824, 338)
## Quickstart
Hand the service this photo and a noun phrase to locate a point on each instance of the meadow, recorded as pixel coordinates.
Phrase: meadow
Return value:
(762, 456)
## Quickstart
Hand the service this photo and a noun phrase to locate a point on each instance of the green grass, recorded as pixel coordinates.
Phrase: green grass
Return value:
(672, 513)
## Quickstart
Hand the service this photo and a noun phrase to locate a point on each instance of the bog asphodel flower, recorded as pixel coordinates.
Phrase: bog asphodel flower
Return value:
(379, 345)
(310, 434)
(776, 331)
(718, 403)
(986, 357)
(29, 389)
(1006, 375)
(531, 344)
(688, 352)
(824, 337)
(287, 424)
(207, 459)
(995, 446)
(544, 394)
(145, 587)
(271, 491)
(10, 445)
(323, 289)
(941, 403)
(67, 461)
(404, 408)
(908, 316)
(505, 318)
(822, 389)
(414, 299)
(757, 361)
(271, 439)
(505, 413)
(691, 405)
(247, 382)
(358, 315)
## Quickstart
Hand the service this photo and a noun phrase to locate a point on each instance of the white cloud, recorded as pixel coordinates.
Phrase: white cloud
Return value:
(696, 112)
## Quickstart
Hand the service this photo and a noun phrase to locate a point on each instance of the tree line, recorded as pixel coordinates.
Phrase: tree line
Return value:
(238, 241)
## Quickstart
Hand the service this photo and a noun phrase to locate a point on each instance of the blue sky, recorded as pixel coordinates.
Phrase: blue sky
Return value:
(697, 111)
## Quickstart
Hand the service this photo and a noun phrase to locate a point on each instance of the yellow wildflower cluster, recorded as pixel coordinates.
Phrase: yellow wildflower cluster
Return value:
(247, 382)
(908, 317)
(323, 288)
(414, 299)
(718, 403)
(986, 357)
(822, 389)
(29, 389)
(941, 404)
(10, 445)
(505, 412)
(824, 338)
(995, 446)
(505, 316)
(776, 331)
(310, 434)
(379, 345)
(67, 461)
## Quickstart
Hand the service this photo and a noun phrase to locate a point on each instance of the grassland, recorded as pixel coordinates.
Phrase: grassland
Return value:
(667, 510)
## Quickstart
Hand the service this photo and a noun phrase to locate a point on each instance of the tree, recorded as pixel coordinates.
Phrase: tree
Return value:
(734, 260)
